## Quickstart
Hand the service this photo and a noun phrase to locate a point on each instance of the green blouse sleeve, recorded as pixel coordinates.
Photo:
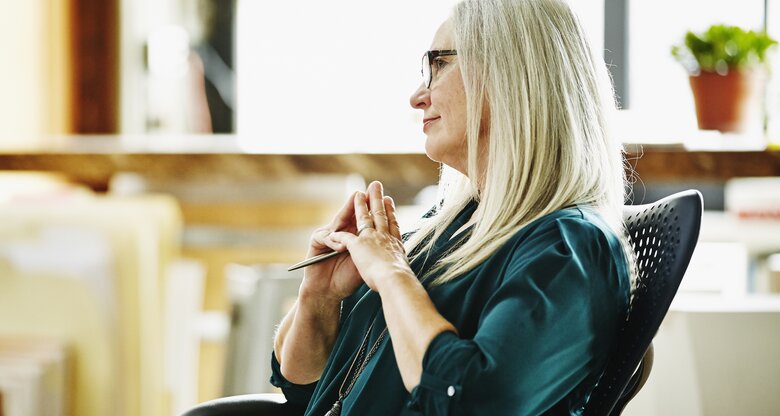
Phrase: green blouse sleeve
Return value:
(545, 331)
(297, 394)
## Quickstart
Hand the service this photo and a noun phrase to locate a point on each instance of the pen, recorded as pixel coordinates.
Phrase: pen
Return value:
(315, 259)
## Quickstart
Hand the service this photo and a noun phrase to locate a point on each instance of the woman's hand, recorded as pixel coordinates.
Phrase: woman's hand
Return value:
(376, 249)
(337, 277)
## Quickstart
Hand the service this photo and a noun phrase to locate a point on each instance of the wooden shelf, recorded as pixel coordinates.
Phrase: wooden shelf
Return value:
(683, 165)
(404, 173)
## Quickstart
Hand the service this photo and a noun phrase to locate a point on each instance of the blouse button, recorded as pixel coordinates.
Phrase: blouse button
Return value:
(450, 391)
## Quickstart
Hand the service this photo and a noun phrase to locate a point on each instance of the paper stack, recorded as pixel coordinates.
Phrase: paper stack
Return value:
(89, 270)
(34, 376)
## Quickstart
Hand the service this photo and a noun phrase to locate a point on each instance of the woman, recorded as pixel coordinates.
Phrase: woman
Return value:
(512, 291)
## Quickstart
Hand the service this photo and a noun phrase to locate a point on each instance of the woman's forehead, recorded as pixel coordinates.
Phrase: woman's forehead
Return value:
(443, 39)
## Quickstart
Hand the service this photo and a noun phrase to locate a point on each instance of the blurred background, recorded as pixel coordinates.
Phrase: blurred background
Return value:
(161, 162)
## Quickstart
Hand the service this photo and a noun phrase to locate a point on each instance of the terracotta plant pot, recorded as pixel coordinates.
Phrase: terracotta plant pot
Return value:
(728, 103)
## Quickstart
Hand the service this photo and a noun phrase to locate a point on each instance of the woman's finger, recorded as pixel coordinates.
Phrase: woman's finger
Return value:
(392, 219)
(363, 218)
(377, 206)
(342, 238)
(334, 245)
(318, 243)
(346, 215)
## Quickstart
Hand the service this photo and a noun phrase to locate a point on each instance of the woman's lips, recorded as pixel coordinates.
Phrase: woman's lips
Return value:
(428, 121)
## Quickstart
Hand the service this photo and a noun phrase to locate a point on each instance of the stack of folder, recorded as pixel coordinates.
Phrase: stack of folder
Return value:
(34, 375)
(89, 271)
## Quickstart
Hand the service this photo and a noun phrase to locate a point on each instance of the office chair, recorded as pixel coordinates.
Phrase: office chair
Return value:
(663, 235)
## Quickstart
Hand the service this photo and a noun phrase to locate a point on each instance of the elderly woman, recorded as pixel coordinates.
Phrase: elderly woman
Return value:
(508, 297)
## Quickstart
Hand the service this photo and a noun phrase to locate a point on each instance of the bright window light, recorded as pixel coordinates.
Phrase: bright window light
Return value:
(333, 74)
(327, 75)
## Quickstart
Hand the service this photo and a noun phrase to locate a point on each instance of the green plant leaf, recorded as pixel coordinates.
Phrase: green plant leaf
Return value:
(722, 48)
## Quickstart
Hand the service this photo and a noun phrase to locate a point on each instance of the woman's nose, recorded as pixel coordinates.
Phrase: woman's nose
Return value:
(421, 98)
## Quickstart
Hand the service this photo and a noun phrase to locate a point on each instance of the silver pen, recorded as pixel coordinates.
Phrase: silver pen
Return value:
(316, 259)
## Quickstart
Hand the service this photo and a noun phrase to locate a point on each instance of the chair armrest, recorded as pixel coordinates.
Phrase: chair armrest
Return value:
(246, 405)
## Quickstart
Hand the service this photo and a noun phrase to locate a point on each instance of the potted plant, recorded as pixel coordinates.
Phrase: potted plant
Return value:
(727, 67)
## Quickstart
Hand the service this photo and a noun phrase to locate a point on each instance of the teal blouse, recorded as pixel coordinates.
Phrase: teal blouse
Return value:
(536, 323)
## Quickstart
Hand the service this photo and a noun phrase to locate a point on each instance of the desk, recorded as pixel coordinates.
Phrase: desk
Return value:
(715, 355)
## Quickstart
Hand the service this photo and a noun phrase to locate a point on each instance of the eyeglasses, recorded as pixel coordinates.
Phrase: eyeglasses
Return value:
(431, 65)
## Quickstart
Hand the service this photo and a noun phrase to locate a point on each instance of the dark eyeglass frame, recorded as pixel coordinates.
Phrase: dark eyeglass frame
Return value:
(430, 56)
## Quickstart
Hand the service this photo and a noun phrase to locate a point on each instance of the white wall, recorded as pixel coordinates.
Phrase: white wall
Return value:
(714, 362)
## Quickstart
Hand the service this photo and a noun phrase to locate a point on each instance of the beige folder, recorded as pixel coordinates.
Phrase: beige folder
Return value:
(89, 271)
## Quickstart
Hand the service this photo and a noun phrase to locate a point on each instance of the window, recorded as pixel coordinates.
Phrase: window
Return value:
(306, 73)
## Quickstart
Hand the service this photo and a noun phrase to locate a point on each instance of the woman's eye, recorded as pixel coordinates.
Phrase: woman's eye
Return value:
(439, 63)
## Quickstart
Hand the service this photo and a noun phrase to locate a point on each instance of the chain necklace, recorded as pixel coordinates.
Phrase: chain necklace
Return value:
(343, 392)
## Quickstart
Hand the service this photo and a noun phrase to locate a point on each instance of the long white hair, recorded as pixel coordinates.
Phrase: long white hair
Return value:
(548, 139)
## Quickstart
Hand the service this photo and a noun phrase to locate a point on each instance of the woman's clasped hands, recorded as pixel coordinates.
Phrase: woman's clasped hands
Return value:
(368, 228)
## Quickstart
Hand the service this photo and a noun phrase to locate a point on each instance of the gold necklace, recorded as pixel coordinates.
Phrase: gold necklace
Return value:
(336, 409)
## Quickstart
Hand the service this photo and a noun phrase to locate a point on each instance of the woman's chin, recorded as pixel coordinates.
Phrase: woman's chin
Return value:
(430, 151)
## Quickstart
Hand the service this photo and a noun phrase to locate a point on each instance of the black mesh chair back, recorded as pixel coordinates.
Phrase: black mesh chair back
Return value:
(663, 236)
